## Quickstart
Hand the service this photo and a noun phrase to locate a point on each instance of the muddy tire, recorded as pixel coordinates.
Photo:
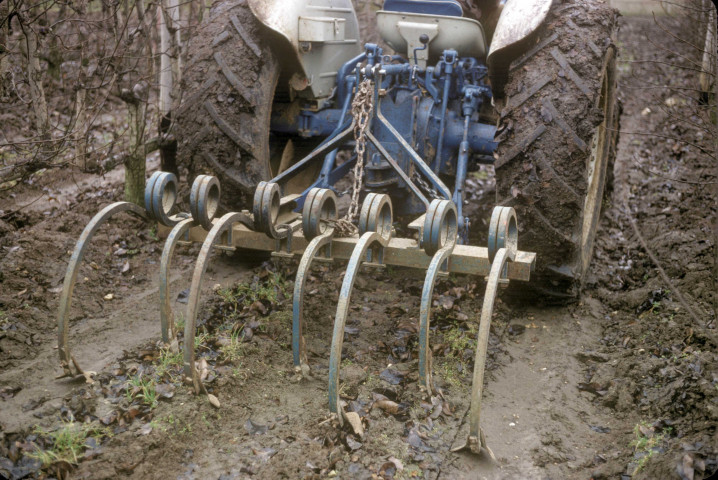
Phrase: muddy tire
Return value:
(222, 124)
(558, 140)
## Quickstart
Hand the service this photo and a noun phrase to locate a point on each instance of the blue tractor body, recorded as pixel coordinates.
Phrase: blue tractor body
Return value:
(426, 122)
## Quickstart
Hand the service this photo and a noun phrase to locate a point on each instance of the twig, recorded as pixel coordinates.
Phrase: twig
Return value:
(678, 180)
(624, 132)
(674, 65)
(685, 120)
(663, 274)
(666, 49)
(668, 32)
(685, 6)
(12, 212)
(654, 85)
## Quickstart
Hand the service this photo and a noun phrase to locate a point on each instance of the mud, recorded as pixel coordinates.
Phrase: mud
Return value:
(622, 384)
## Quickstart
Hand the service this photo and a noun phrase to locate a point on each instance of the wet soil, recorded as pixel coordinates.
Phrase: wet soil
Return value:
(623, 383)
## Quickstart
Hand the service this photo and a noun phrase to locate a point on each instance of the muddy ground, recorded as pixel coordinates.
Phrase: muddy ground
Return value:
(622, 384)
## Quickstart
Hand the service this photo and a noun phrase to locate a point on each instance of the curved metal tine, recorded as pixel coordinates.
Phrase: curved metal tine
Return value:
(425, 316)
(194, 292)
(476, 440)
(298, 344)
(439, 238)
(63, 347)
(167, 323)
(358, 257)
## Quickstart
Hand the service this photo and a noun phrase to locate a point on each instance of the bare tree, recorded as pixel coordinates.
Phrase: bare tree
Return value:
(4, 58)
(64, 65)
(170, 76)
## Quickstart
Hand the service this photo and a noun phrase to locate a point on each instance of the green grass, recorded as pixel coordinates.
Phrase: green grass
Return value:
(68, 442)
(233, 352)
(245, 294)
(4, 320)
(167, 363)
(459, 339)
(449, 371)
(179, 322)
(143, 389)
(200, 339)
(647, 446)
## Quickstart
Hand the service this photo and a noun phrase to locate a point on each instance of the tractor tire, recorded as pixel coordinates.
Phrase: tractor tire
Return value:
(558, 136)
(228, 86)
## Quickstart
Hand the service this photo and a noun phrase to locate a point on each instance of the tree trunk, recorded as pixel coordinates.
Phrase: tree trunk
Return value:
(713, 18)
(4, 57)
(139, 49)
(169, 78)
(707, 75)
(80, 120)
(79, 134)
(135, 165)
(34, 79)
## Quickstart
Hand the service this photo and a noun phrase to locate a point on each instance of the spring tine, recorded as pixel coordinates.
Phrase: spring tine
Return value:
(200, 268)
(319, 207)
(298, 344)
(439, 237)
(476, 440)
(357, 258)
(63, 347)
(166, 316)
(425, 316)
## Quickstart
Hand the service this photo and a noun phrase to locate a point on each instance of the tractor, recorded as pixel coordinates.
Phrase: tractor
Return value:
(324, 146)
(267, 81)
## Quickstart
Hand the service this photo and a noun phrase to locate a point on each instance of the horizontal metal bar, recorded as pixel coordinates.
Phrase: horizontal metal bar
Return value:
(402, 252)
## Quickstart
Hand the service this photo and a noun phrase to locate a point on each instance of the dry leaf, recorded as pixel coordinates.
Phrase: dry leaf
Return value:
(355, 422)
(388, 406)
(88, 377)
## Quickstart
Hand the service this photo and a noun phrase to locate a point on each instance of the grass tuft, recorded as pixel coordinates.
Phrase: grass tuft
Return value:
(68, 442)
(143, 389)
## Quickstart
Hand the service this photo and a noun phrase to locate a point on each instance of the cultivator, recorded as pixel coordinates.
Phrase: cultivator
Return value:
(275, 227)
(408, 125)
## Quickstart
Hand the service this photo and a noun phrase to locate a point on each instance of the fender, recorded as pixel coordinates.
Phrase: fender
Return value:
(321, 34)
(518, 22)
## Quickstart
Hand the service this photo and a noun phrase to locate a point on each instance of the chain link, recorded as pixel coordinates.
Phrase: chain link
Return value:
(426, 187)
(362, 109)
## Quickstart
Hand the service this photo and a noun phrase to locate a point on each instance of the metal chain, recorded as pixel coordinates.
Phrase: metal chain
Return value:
(426, 187)
(362, 109)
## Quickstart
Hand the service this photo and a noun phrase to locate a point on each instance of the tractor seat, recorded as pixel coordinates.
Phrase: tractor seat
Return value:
(448, 8)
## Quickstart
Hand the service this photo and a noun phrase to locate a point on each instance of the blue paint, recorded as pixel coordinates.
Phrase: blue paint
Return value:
(426, 120)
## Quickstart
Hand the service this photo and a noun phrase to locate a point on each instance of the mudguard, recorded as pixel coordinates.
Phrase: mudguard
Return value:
(321, 34)
(518, 22)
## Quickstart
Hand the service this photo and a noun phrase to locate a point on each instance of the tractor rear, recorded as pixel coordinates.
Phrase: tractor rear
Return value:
(326, 147)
